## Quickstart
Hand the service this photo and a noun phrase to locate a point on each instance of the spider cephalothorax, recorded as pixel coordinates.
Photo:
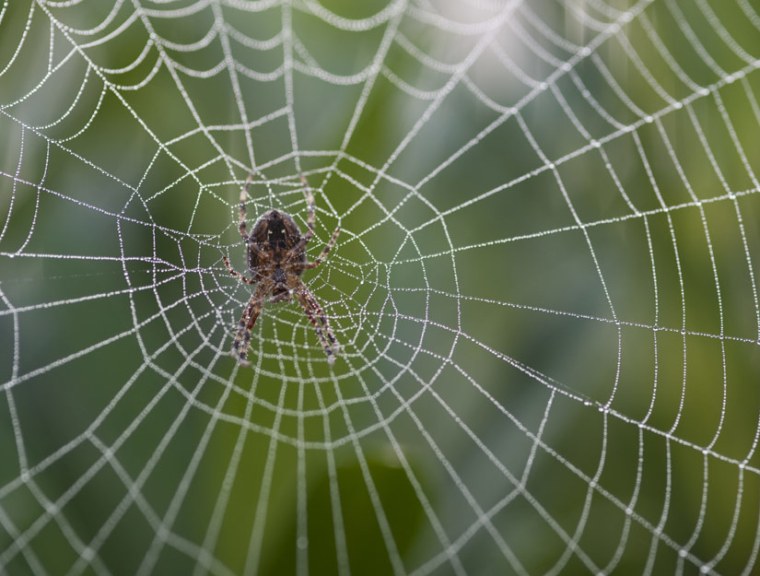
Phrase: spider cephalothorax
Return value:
(276, 255)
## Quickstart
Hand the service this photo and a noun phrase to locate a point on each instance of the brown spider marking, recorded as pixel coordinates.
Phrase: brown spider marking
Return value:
(276, 255)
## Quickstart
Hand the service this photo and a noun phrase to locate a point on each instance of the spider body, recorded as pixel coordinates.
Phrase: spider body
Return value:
(276, 256)
(272, 257)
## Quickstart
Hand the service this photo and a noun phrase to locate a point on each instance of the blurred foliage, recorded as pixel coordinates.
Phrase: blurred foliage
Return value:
(545, 287)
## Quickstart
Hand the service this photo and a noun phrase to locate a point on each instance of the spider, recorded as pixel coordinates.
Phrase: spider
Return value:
(276, 254)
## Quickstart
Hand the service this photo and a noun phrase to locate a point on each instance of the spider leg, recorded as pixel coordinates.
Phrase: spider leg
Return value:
(325, 251)
(237, 274)
(245, 326)
(298, 248)
(310, 215)
(317, 317)
(242, 225)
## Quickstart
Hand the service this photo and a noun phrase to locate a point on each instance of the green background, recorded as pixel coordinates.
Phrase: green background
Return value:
(545, 288)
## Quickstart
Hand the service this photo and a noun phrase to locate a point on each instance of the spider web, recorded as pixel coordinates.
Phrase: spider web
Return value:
(545, 287)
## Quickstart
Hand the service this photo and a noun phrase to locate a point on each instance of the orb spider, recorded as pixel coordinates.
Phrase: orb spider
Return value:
(276, 256)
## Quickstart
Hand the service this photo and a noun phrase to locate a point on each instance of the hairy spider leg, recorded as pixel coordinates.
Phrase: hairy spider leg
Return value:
(310, 218)
(245, 326)
(310, 215)
(242, 224)
(325, 251)
(318, 319)
(237, 274)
